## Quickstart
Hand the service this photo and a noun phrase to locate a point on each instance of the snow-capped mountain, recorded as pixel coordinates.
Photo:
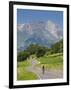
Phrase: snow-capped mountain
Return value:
(42, 33)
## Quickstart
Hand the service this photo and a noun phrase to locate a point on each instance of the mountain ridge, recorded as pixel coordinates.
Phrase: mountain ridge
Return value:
(42, 33)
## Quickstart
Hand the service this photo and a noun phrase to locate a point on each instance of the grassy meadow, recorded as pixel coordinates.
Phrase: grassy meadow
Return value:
(50, 62)
(22, 73)
(53, 62)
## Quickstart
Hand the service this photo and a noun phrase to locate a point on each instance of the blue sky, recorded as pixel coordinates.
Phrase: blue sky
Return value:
(27, 16)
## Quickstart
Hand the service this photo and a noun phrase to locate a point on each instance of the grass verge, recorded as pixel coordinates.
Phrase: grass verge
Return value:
(22, 73)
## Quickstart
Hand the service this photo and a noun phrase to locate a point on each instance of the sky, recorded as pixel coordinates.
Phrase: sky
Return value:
(28, 16)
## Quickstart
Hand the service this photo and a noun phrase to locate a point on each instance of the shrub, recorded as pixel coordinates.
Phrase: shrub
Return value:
(40, 52)
(23, 55)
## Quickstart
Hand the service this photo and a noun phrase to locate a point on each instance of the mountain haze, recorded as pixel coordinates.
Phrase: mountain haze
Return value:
(40, 32)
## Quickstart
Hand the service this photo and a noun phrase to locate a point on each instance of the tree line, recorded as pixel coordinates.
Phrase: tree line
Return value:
(40, 51)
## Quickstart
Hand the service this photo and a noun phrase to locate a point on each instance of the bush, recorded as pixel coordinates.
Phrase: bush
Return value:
(36, 49)
(23, 55)
(57, 47)
(32, 49)
(40, 52)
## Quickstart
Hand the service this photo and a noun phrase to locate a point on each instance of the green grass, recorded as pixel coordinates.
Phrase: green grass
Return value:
(22, 74)
(51, 62)
(54, 61)
(23, 64)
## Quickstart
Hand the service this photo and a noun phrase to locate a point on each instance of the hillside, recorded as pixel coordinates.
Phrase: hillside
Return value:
(42, 33)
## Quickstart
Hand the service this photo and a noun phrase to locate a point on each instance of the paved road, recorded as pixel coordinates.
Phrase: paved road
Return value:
(48, 74)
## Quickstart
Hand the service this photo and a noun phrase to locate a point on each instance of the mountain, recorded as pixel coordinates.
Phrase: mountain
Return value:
(40, 32)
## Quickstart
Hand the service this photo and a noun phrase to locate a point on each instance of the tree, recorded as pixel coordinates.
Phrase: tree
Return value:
(40, 52)
(23, 55)
(57, 47)
(32, 49)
